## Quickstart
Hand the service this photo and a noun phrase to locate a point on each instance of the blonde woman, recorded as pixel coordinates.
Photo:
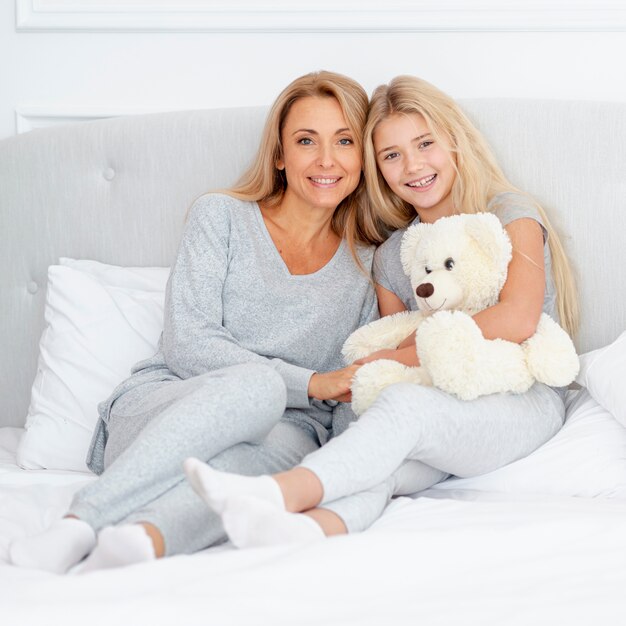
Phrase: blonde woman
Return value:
(423, 160)
(270, 278)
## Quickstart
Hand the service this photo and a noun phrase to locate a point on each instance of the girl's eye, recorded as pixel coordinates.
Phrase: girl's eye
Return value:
(425, 144)
(449, 263)
(390, 156)
(345, 141)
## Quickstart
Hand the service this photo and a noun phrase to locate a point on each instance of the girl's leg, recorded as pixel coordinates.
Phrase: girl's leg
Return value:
(427, 425)
(148, 440)
(184, 523)
(408, 422)
(253, 522)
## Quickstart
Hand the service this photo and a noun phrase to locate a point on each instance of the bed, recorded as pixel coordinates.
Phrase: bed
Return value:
(90, 216)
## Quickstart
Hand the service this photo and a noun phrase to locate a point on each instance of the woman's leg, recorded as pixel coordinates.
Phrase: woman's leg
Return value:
(148, 440)
(184, 523)
(200, 416)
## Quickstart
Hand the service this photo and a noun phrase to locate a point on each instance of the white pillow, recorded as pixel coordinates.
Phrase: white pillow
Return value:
(603, 373)
(100, 320)
(587, 457)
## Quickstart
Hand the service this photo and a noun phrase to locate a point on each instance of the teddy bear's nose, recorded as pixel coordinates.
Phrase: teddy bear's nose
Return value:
(425, 290)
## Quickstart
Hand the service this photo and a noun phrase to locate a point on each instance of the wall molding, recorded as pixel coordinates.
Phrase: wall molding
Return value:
(320, 16)
(29, 118)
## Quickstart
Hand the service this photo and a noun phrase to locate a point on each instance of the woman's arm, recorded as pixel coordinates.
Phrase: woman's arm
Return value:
(194, 339)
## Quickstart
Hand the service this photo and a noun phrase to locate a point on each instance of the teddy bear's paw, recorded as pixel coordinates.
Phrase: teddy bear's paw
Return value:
(383, 334)
(550, 354)
(373, 377)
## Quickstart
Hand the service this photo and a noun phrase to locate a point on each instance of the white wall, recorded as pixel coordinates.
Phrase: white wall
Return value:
(45, 75)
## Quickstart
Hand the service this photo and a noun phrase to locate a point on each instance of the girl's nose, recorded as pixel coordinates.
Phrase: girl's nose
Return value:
(413, 163)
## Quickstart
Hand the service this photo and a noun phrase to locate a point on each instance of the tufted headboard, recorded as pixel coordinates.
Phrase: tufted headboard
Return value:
(117, 191)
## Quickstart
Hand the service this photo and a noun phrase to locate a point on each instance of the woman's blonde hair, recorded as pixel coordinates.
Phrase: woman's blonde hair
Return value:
(354, 219)
(478, 176)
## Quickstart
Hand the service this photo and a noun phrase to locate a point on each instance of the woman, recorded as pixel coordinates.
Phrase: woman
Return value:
(270, 279)
(423, 160)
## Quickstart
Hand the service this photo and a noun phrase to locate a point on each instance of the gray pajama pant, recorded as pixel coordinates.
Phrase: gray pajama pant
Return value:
(230, 417)
(414, 437)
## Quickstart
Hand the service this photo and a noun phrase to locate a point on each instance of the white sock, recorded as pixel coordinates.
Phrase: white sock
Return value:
(118, 546)
(217, 488)
(251, 522)
(57, 548)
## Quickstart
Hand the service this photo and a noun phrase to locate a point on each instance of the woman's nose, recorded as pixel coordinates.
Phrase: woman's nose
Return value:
(325, 156)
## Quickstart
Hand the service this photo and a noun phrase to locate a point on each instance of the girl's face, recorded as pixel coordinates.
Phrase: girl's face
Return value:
(321, 161)
(415, 166)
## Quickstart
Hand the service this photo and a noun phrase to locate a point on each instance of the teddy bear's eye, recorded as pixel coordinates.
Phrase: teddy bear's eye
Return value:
(449, 263)
(427, 269)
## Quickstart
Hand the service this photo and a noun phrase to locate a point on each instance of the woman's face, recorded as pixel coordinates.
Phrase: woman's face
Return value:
(321, 161)
(415, 166)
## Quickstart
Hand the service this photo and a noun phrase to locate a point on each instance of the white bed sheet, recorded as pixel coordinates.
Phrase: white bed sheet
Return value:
(445, 558)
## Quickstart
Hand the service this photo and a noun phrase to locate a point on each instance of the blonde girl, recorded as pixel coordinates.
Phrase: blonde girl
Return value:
(423, 160)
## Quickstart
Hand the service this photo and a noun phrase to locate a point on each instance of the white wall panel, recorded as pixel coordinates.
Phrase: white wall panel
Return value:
(49, 76)
(319, 15)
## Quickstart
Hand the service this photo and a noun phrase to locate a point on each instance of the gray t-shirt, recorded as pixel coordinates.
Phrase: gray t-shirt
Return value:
(231, 299)
(507, 207)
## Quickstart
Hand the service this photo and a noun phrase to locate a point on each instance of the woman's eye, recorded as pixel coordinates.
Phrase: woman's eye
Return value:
(449, 263)
(305, 141)
(346, 142)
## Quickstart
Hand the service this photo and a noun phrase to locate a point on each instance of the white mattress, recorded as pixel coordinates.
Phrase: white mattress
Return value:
(446, 558)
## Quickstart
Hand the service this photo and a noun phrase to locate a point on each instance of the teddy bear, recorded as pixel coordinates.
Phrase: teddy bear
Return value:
(457, 267)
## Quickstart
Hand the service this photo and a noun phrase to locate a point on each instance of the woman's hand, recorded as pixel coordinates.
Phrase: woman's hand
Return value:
(333, 385)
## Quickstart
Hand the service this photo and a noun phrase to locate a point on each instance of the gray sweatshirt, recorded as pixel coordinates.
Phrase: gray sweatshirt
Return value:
(231, 299)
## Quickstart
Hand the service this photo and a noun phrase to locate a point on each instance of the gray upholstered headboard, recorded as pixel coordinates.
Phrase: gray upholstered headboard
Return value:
(117, 191)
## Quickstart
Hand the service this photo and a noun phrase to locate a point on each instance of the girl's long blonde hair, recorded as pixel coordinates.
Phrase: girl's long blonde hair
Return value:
(478, 176)
(354, 218)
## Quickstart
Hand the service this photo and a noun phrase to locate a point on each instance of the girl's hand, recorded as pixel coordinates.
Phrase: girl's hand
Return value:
(333, 385)
(406, 356)
(375, 356)
(409, 341)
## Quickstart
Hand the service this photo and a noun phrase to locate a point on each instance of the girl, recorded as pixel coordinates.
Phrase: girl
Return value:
(423, 160)
(267, 285)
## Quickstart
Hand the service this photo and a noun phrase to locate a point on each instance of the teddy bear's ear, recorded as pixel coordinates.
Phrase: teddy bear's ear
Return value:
(486, 229)
(410, 241)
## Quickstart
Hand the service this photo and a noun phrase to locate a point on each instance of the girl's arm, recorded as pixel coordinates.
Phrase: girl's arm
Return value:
(388, 302)
(516, 315)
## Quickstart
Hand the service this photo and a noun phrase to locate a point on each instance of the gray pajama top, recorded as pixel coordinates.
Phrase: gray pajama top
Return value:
(507, 207)
(231, 299)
